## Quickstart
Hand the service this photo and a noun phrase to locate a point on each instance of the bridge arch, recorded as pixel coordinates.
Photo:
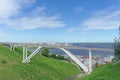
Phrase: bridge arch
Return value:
(26, 59)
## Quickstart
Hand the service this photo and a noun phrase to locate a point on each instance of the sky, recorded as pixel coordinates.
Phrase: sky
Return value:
(59, 20)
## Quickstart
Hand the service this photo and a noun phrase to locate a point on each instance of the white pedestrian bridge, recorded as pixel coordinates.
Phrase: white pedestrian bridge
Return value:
(26, 58)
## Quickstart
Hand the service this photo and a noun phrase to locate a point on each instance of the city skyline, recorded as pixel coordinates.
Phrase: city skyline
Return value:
(59, 20)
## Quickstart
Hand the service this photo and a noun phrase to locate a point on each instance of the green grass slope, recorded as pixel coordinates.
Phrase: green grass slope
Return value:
(106, 72)
(40, 67)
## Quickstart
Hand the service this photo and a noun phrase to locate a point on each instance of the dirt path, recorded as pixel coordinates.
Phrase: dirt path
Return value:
(76, 76)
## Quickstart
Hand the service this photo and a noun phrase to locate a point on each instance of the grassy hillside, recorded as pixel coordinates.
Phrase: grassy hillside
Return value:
(106, 72)
(40, 68)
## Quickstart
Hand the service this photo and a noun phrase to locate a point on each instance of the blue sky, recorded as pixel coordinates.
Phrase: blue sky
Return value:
(59, 20)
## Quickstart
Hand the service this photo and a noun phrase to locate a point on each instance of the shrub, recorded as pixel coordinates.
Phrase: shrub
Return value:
(45, 52)
(3, 61)
(60, 57)
(53, 56)
(117, 47)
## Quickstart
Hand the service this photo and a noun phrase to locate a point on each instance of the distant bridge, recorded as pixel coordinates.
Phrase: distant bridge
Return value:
(55, 46)
(26, 58)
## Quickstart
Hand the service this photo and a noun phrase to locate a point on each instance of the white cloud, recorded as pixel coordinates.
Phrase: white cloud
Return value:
(8, 8)
(109, 20)
(13, 8)
(27, 1)
(35, 22)
(39, 10)
(106, 19)
(3, 34)
(104, 11)
(73, 29)
(79, 9)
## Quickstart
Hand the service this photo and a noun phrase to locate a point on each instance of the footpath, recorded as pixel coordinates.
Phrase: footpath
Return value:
(76, 76)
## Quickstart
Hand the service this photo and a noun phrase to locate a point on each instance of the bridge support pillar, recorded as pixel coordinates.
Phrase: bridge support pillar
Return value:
(12, 47)
(24, 52)
(90, 62)
(26, 59)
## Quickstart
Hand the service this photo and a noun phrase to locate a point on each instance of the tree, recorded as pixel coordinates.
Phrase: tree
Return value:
(45, 52)
(53, 56)
(60, 57)
(117, 47)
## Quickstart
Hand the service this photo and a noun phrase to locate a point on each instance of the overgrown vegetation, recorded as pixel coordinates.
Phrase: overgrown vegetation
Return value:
(4, 61)
(45, 52)
(117, 48)
(40, 67)
(106, 72)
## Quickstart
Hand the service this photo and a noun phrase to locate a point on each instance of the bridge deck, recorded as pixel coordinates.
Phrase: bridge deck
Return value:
(54, 46)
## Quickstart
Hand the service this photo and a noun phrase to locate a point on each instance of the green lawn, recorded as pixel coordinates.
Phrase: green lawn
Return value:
(106, 72)
(40, 67)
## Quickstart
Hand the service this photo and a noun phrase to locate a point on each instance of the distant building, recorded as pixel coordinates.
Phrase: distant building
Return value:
(96, 60)
(108, 59)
